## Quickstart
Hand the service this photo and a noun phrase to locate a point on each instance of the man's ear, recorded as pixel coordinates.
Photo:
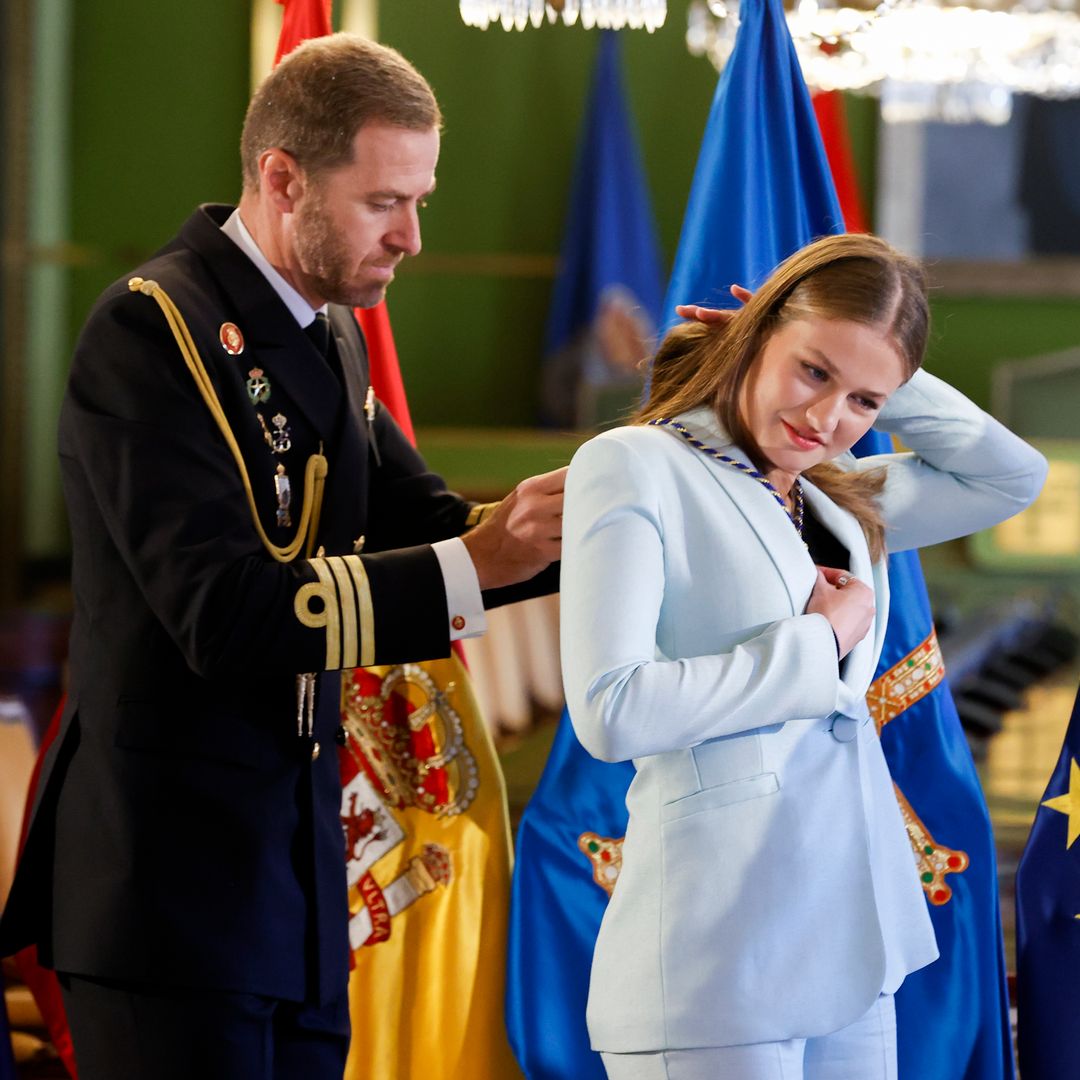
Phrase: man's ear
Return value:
(281, 179)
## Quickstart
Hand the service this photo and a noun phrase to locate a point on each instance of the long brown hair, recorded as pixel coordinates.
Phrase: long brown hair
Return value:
(856, 277)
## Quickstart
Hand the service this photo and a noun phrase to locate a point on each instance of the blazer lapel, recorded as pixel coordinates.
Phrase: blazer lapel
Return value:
(756, 503)
(859, 667)
(789, 554)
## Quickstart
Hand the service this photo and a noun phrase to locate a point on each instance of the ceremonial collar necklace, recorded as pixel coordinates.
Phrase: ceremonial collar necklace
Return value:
(795, 515)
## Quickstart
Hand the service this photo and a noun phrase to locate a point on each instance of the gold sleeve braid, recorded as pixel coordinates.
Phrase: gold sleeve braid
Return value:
(347, 614)
(478, 513)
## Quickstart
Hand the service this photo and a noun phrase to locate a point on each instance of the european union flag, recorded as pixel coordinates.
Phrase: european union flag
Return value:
(606, 303)
(1048, 924)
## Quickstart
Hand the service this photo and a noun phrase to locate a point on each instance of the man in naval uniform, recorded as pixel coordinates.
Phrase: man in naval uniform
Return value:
(247, 520)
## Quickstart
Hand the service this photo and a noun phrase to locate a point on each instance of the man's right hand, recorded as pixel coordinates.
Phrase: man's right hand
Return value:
(522, 535)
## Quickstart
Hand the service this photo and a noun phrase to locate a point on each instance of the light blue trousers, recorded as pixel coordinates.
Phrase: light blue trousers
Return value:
(864, 1050)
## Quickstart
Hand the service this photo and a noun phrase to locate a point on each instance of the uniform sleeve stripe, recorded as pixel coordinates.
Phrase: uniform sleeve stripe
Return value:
(329, 617)
(365, 608)
(348, 610)
(478, 513)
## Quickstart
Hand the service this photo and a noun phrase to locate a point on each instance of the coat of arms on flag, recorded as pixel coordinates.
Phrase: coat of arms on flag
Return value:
(426, 838)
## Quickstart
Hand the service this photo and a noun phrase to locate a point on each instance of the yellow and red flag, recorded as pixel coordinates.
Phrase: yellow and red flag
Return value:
(426, 828)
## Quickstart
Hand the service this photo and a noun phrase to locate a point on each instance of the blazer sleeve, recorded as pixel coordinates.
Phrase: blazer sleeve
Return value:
(625, 699)
(148, 473)
(965, 471)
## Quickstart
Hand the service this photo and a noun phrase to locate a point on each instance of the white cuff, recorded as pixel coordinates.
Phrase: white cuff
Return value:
(463, 600)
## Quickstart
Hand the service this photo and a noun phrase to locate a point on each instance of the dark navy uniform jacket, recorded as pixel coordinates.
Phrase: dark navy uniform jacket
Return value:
(184, 833)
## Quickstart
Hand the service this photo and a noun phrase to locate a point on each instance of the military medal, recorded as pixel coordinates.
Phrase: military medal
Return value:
(281, 437)
(283, 489)
(305, 704)
(232, 341)
(369, 412)
(258, 386)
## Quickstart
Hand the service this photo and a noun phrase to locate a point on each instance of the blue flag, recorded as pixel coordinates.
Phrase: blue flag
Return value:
(952, 1017)
(762, 189)
(568, 857)
(606, 303)
(1048, 924)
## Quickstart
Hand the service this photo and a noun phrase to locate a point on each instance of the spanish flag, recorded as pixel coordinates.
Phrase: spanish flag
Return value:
(428, 846)
(427, 835)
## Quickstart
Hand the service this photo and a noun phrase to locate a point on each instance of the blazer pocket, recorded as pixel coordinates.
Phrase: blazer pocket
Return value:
(712, 798)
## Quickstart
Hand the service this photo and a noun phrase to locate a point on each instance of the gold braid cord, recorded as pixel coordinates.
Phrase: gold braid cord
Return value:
(909, 680)
(314, 472)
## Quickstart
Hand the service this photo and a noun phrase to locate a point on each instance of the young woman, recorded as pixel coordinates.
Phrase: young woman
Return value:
(724, 598)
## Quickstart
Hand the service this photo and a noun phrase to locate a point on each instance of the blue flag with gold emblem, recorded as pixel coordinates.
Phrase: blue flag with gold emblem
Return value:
(1048, 924)
(761, 190)
(952, 1017)
(606, 301)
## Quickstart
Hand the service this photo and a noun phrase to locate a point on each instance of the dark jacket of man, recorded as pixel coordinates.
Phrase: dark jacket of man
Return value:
(184, 833)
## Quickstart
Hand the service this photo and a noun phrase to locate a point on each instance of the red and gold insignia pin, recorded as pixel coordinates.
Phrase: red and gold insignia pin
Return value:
(232, 341)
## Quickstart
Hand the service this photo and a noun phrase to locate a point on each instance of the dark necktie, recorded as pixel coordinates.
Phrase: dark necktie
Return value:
(319, 334)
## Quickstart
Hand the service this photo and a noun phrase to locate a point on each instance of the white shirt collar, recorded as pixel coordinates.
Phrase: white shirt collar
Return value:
(301, 310)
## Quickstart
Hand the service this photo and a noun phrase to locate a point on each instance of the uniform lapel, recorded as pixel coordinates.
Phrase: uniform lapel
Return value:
(273, 340)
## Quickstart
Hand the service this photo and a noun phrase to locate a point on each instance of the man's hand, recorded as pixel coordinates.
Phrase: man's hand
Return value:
(713, 315)
(522, 535)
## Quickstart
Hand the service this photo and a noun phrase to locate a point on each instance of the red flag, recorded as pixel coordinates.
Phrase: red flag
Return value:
(829, 108)
(303, 19)
(423, 802)
(385, 370)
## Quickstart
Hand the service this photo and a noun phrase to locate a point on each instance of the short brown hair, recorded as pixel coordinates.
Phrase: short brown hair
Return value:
(320, 95)
(852, 276)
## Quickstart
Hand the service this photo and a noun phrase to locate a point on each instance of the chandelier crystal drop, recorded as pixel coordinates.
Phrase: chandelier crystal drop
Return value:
(601, 14)
(925, 59)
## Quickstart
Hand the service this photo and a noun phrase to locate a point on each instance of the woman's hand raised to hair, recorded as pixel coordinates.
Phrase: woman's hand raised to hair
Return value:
(713, 315)
(846, 602)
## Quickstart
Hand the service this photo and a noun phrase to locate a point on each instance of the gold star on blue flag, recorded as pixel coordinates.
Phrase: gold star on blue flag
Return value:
(1047, 929)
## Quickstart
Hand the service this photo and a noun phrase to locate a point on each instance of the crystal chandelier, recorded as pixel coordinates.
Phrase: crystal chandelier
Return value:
(605, 14)
(924, 59)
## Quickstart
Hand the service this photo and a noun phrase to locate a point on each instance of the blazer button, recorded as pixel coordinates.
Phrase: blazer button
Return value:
(844, 728)
(316, 749)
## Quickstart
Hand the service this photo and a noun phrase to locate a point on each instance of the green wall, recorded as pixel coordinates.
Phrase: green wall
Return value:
(159, 92)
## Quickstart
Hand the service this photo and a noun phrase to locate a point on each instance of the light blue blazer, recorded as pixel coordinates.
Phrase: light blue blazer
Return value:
(768, 888)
